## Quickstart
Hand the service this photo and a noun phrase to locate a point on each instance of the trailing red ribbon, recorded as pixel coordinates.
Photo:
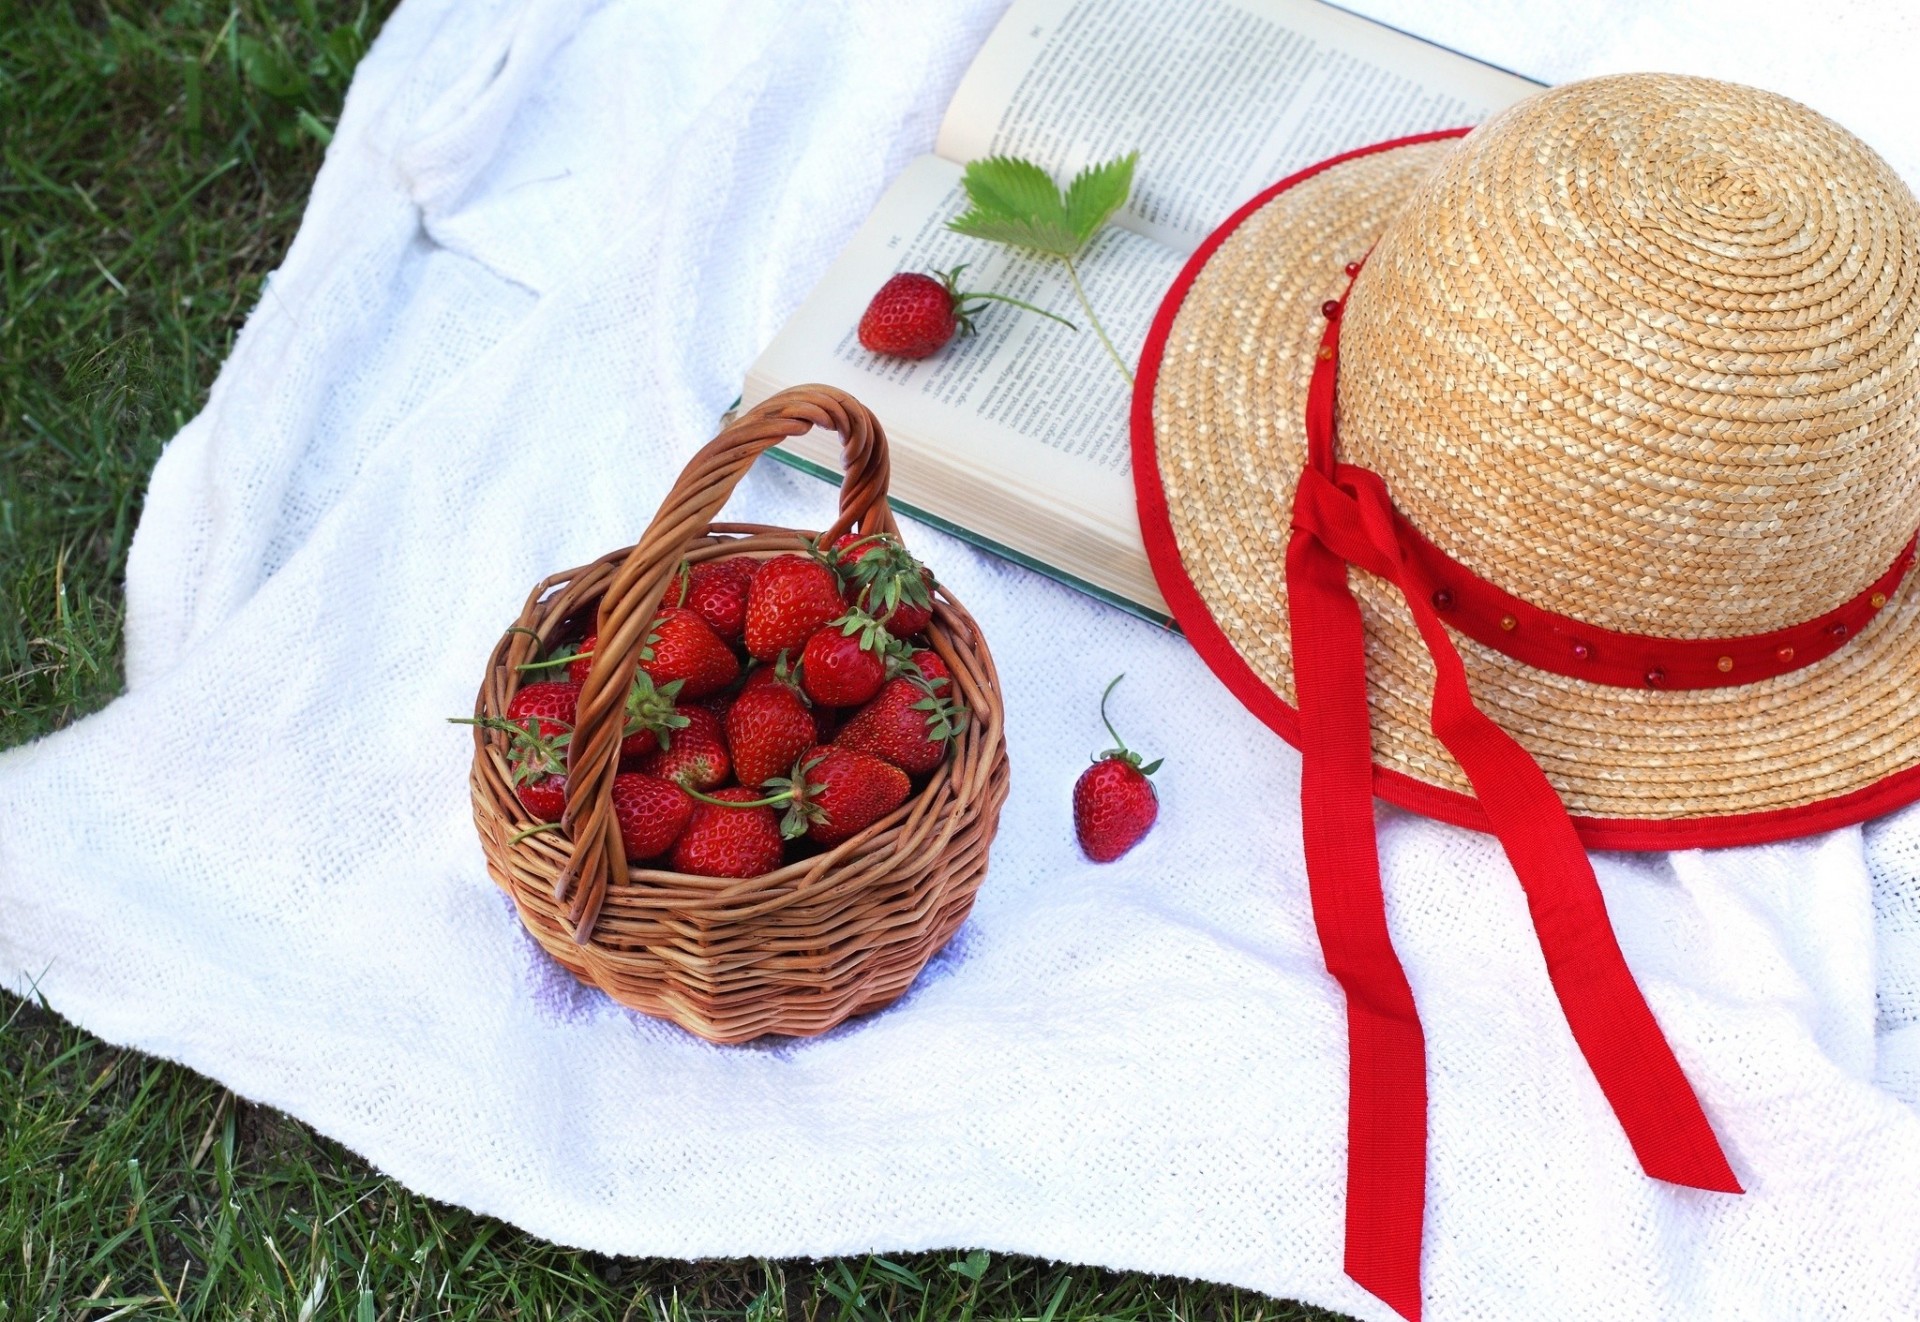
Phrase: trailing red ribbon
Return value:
(1342, 515)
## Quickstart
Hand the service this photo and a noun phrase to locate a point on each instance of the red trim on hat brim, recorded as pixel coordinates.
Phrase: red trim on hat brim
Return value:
(1217, 650)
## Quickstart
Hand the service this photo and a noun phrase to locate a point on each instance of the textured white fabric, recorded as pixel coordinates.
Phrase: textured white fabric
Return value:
(548, 239)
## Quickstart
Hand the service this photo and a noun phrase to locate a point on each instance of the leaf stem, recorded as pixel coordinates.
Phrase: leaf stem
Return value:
(1113, 353)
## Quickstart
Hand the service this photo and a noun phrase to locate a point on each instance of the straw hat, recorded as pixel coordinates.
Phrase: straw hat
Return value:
(1559, 479)
(1643, 352)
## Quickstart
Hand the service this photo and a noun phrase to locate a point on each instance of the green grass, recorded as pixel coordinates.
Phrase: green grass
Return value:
(132, 1184)
(153, 165)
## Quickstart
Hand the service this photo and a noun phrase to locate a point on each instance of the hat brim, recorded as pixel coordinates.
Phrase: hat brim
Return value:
(1219, 439)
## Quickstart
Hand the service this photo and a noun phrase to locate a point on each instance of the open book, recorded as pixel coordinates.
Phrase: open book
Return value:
(1017, 438)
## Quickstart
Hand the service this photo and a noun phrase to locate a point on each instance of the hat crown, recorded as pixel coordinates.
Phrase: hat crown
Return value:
(1645, 351)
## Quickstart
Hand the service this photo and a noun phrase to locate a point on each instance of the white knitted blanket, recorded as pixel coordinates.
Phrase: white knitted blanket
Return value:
(546, 242)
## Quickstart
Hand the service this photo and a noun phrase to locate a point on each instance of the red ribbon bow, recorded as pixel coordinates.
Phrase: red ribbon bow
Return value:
(1342, 515)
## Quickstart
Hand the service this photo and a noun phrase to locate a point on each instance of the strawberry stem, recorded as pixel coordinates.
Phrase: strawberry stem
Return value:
(964, 314)
(773, 802)
(1004, 298)
(563, 659)
(1120, 749)
(525, 725)
(1119, 744)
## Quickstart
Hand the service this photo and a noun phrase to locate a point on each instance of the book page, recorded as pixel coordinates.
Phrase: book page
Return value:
(1027, 405)
(1220, 97)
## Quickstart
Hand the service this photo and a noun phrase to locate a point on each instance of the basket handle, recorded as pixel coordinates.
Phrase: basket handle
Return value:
(632, 599)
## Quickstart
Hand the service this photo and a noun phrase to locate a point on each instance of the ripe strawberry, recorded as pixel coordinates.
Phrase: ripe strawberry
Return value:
(651, 814)
(928, 663)
(582, 660)
(536, 750)
(680, 646)
(884, 580)
(790, 597)
(544, 797)
(836, 793)
(768, 726)
(652, 717)
(1114, 804)
(909, 724)
(844, 664)
(716, 590)
(550, 705)
(732, 841)
(697, 758)
(914, 314)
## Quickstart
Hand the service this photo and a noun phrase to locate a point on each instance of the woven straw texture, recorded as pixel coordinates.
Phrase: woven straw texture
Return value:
(1643, 350)
(795, 951)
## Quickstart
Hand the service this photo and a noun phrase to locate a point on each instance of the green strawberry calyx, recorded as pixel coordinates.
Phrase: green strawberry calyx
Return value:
(946, 715)
(872, 633)
(787, 671)
(652, 708)
(794, 793)
(882, 575)
(964, 311)
(534, 756)
(1120, 752)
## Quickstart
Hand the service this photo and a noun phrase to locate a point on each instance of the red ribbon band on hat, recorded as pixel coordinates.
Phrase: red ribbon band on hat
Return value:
(1342, 515)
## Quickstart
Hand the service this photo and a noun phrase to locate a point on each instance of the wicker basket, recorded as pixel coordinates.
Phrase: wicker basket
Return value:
(794, 951)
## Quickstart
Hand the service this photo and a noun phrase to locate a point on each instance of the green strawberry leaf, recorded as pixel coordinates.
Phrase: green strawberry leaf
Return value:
(1016, 202)
(534, 755)
(1051, 238)
(651, 708)
(1097, 192)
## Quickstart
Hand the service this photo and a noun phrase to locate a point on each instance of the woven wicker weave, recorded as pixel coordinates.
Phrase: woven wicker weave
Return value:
(795, 951)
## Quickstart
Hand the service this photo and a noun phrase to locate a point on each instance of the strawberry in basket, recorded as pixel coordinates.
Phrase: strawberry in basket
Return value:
(686, 741)
(780, 680)
(912, 720)
(887, 581)
(716, 590)
(538, 726)
(681, 648)
(845, 663)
